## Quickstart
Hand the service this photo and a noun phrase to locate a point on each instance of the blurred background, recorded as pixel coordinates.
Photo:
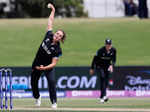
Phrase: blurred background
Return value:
(74, 8)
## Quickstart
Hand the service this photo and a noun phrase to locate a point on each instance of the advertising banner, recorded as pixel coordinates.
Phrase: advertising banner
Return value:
(67, 78)
(76, 82)
(131, 78)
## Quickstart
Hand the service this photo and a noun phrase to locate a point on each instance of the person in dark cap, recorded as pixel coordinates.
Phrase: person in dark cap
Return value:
(104, 62)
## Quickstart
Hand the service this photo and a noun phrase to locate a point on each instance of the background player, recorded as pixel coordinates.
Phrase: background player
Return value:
(104, 62)
(46, 59)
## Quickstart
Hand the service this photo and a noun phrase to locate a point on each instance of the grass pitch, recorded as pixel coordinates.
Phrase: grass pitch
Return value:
(20, 39)
(84, 105)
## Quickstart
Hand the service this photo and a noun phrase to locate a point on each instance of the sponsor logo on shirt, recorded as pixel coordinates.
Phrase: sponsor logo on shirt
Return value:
(47, 40)
(45, 48)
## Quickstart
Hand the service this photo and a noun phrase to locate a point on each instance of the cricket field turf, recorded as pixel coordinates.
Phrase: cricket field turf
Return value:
(20, 39)
(84, 105)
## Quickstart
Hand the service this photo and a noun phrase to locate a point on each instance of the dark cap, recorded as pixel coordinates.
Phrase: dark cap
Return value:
(108, 42)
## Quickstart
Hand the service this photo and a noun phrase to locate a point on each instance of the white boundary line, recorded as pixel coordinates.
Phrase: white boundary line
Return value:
(87, 109)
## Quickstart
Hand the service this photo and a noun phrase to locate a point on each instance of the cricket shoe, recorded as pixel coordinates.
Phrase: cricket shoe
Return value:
(54, 106)
(102, 100)
(38, 101)
(105, 98)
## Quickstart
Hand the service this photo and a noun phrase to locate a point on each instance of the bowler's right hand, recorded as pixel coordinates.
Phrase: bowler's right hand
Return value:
(50, 6)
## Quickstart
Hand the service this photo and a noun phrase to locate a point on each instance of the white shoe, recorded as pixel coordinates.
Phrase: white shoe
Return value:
(105, 98)
(54, 106)
(38, 101)
(102, 100)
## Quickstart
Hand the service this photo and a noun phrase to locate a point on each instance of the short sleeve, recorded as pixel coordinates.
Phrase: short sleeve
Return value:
(99, 52)
(96, 53)
(57, 54)
(49, 33)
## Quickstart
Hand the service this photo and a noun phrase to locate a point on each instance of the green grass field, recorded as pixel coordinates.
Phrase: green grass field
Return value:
(122, 104)
(20, 39)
